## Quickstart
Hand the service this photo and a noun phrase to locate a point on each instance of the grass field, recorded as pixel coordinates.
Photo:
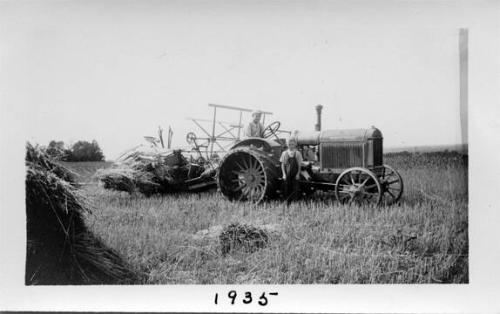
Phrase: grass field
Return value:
(173, 239)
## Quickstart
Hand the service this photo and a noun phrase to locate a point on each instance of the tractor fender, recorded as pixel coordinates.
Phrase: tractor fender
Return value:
(258, 142)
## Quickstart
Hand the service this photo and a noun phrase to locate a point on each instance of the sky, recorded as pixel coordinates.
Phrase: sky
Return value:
(115, 71)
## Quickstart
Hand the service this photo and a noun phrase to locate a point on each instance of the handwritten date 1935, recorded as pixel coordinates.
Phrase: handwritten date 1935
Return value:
(247, 298)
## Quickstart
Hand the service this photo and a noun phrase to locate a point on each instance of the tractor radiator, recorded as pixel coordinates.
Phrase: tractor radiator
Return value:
(341, 155)
(378, 154)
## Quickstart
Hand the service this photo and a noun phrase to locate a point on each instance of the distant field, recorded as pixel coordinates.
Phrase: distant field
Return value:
(459, 148)
(86, 169)
(174, 238)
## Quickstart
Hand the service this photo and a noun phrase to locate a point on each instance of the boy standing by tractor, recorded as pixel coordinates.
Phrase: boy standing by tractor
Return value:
(291, 160)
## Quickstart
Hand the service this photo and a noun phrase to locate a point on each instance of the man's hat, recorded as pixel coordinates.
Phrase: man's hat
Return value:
(256, 112)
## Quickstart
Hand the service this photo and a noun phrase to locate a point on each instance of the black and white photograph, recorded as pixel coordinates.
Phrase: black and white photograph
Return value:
(250, 155)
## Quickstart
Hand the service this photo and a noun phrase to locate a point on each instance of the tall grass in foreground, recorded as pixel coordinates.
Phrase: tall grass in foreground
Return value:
(424, 239)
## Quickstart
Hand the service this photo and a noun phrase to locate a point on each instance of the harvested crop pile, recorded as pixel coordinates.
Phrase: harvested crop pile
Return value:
(152, 172)
(36, 158)
(129, 180)
(60, 248)
(242, 236)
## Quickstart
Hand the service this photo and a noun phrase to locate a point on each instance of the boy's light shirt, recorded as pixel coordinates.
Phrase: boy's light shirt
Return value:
(286, 154)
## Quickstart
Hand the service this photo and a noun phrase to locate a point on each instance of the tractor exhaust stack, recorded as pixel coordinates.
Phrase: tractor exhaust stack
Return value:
(317, 127)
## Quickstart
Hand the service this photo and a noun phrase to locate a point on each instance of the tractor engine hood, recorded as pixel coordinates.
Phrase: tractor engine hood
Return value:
(333, 136)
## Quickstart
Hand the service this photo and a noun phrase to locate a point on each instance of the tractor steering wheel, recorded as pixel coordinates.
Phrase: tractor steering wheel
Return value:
(271, 129)
(191, 138)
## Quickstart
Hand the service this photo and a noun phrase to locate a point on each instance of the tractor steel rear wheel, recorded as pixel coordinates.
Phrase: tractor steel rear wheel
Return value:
(358, 186)
(247, 175)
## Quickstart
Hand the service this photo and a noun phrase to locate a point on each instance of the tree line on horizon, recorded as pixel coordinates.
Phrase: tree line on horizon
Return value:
(79, 151)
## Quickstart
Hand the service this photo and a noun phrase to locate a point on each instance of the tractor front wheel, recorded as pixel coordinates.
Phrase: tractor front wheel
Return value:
(392, 186)
(359, 186)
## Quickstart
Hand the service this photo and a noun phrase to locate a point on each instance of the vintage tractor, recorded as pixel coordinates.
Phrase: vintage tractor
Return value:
(348, 162)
